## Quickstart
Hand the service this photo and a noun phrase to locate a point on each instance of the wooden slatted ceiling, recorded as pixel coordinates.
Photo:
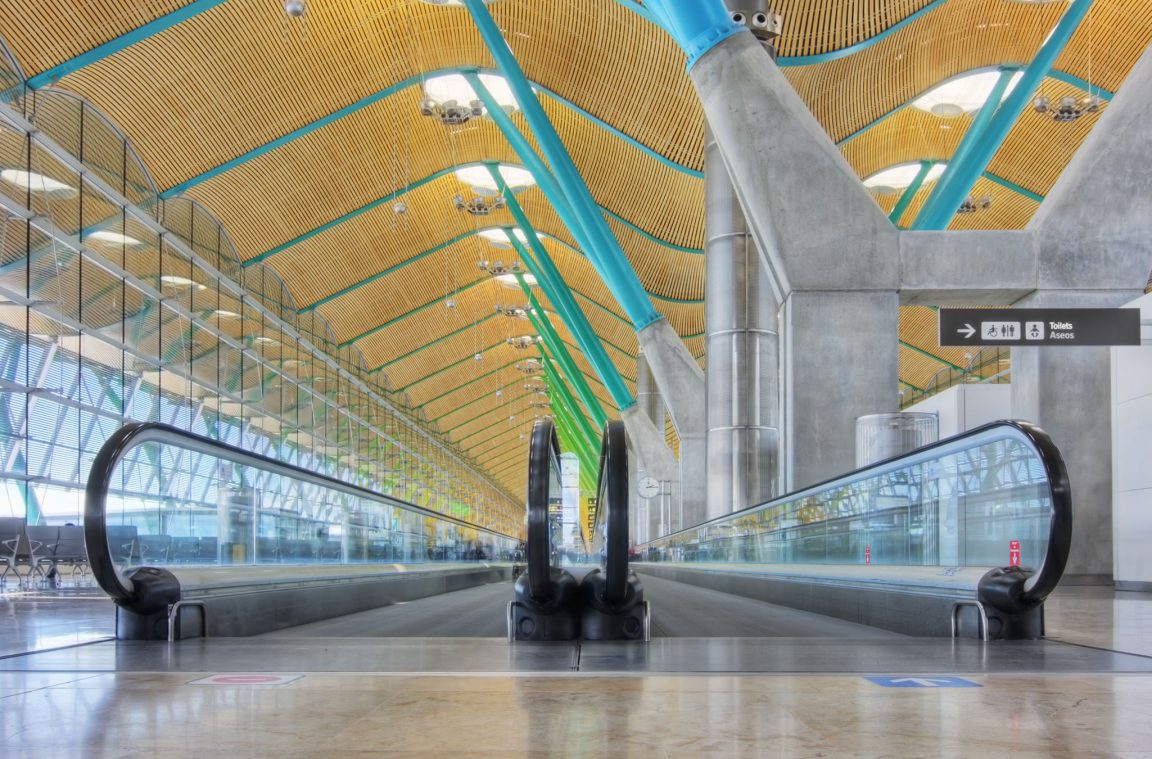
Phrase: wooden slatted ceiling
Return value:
(338, 59)
(306, 188)
(58, 30)
(819, 27)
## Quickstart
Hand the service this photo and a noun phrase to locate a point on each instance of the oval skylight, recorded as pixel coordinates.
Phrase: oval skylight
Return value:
(454, 87)
(963, 94)
(480, 180)
(113, 238)
(895, 179)
(30, 180)
(175, 281)
(509, 280)
(499, 237)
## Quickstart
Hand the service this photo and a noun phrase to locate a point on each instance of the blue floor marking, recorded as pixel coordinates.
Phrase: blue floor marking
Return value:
(924, 682)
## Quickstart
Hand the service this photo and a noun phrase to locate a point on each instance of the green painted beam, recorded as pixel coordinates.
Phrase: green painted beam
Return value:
(544, 328)
(934, 357)
(443, 369)
(439, 340)
(390, 270)
(419, 309)
(458, 388)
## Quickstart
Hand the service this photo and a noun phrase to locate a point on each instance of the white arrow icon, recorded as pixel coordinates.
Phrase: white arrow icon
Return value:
(923, 682)
(968, 330)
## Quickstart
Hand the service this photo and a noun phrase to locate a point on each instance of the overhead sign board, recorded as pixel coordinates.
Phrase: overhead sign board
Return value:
(1039, 326)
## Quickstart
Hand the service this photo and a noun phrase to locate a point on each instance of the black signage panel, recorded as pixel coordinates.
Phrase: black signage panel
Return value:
(1039, 326)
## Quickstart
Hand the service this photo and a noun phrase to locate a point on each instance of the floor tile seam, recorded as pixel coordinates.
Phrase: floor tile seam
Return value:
(6, 657)
(53, 686)
(1104, 649)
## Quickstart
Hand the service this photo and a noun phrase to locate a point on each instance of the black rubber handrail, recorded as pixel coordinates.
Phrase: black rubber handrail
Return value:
(611, 532)
(543, 462)
(138, 433)
(1040, 583)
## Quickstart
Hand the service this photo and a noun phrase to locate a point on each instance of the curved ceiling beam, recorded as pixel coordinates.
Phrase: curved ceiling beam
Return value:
(124, 41)
(442, 338)
(401, 86)
(1060, 76)
(844, 52)
(458, 238)
(261, 257)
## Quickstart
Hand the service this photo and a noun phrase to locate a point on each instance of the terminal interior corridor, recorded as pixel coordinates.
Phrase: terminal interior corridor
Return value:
(575, 378)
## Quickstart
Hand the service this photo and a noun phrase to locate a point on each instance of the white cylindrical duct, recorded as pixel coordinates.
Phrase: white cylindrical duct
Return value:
(882, 436)
(742, 349)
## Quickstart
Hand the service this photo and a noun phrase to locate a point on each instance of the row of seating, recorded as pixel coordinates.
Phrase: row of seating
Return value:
(130, 547)
(29, 550)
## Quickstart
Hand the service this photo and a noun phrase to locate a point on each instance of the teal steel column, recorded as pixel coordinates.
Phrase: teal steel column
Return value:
(564, 393)
(910, 192)
(549, 277)
(696, 25)
(957, 162)
(124, 41)
(952, 195)
(542, 267)
(603, 251)
(544, 328)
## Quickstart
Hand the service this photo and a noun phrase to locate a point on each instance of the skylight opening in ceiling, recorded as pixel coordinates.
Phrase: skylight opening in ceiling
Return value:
(509, 280)
(38, 183)
(894, 179)
(453, 90)
(110, 237)
(963, 94)
(499, 237)
(482, 182)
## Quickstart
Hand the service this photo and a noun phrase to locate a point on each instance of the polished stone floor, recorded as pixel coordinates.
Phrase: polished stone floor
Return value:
(1087, 691)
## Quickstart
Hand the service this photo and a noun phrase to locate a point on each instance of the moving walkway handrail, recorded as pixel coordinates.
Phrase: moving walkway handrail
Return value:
(1038, 585)
(543, 460)
(135, 434)
(610, 537)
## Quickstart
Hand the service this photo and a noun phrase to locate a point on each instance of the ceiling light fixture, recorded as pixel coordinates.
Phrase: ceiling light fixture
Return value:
(524, 342)
(514, 312)
(971, 205)
(1069, 108)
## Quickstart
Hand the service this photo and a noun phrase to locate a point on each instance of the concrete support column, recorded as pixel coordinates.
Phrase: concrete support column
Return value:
(1094, 246)
(1066, 392)
(651, 404)
(840, 362)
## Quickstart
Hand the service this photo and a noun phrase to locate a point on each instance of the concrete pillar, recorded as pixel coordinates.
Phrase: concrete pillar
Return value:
(651, 404)
(840, 362)
(1094, 249)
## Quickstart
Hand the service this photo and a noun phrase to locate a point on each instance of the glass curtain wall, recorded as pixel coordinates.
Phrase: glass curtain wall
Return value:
(116, 306)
